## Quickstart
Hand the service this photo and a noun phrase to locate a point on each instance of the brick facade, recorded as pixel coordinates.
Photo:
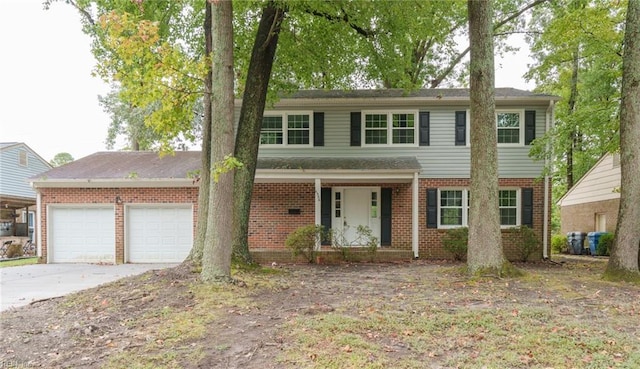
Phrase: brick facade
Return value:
(118, 197)
(582, 217)
(277, 209)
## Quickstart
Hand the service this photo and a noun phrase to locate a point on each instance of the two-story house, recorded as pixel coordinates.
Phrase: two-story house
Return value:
(397, 162)
(18, 163)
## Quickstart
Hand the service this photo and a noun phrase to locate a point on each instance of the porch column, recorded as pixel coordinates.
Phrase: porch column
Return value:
(38, 225)
(414, 214)
(318, 207)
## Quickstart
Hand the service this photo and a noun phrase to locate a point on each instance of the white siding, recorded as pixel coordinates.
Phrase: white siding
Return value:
(598, 184)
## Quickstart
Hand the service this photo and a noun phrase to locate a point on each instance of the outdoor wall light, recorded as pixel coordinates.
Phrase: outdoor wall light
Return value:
(118, 200)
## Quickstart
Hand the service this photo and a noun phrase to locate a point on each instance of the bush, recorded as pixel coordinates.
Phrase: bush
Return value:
(455, 242)
(14, 250)
(604, 244)
(303, 241)
(558, 243)
(526, 242)
(364, 237)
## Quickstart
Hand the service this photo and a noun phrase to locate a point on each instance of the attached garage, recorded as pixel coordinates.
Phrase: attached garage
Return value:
(158, 234)
(81, 234)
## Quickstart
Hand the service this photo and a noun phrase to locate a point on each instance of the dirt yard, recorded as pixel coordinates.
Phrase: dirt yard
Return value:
(412, 315)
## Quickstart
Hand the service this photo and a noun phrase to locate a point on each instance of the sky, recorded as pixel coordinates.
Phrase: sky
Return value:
(49, 99)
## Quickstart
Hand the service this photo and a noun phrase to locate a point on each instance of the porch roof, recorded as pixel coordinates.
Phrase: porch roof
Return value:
(343, 169)
(148, 169)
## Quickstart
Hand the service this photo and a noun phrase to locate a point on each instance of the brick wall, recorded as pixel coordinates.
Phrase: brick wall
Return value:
(430, 240)
(81, 196)
(582, 217)
(271, 220)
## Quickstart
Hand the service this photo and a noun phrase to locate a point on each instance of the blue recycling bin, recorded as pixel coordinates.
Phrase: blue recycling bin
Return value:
(594, 238)
(575, 242)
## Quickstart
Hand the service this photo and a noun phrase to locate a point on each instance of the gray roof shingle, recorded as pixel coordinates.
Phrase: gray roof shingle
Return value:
(118, 165)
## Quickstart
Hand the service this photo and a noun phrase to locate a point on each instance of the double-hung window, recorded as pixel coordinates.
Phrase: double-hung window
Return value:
(287, 129)
(508, 204)
(453, 207)
(390, 128)
(510, 126)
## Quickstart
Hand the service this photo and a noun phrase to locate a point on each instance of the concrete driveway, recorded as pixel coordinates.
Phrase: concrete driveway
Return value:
(21, 285)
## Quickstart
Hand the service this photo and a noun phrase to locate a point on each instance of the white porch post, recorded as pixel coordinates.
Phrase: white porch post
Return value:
(318, 207)
(414, 215)
(38, 233)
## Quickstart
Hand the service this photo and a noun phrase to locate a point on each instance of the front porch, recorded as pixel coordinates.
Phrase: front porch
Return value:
(340, 194)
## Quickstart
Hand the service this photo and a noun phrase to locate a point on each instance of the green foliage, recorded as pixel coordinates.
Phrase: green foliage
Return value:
(526, 241)
(303, 241)
(61, 158)
(455, 241)
(558, 243)
(605, 243)
(582, 64)
(229, 163)
(364, 238)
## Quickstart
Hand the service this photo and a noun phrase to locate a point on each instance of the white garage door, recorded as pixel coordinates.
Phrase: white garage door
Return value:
(82, 235)
(157, 234)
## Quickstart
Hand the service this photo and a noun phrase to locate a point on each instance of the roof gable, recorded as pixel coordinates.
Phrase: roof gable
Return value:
(598, 184)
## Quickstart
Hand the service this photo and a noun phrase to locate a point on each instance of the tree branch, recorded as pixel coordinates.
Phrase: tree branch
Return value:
(436, 81)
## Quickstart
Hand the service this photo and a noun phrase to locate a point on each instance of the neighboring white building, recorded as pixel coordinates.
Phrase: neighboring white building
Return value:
(592, 204)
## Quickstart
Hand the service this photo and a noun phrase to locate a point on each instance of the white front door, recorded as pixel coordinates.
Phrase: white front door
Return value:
(354, 207)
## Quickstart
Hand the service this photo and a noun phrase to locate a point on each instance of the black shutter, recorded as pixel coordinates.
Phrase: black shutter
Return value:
(424, 128)
(318, 129)
(527, 207)
(385, 216)
(356, 123)
(325, 211)
(432, 208)
(529, 126)
(461, 128)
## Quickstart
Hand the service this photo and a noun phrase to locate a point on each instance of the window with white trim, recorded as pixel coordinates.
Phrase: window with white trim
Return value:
(287, 129)
(453, 207)
(510, 127)
(508, 204)
(390, 128)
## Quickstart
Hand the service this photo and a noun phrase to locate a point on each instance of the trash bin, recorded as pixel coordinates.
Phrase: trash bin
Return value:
(594, 238)
(575, 242)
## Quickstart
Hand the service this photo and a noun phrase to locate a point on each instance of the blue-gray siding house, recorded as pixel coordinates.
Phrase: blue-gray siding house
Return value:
(18, 162)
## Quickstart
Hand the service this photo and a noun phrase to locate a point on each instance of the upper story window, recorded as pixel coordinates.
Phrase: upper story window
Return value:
(22, 158)
(286, 129)
(510, 127)
(513, 127)
(390, 128)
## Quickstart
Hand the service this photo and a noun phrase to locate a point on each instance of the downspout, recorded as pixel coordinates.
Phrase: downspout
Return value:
(414, 216)
(545, 225)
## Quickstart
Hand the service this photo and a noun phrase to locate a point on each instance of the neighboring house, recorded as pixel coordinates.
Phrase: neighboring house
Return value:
(592, 204)
(397, 162)
(18, 163)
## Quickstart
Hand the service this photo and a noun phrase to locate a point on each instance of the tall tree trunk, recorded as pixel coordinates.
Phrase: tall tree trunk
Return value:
(250, 123)
(484, 253)
(216, 260)
(195, 256)
(573, 97)
(623, 263)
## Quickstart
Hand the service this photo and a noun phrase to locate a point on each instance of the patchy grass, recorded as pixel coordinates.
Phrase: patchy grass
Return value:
(414, 315)
(18, 262)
